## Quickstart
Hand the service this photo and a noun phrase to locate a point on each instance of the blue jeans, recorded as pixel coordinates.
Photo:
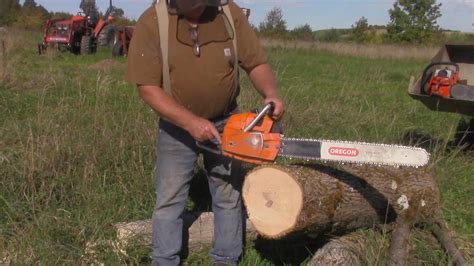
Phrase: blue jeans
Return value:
(176, 158)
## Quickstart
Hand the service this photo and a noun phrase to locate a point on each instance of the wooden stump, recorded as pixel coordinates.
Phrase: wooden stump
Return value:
(281, 200)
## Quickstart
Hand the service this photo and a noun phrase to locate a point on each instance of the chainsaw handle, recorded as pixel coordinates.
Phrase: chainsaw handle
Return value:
(209, 146)
(259, 116)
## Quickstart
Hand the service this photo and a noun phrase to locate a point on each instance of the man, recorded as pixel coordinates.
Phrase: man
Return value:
(202, 96)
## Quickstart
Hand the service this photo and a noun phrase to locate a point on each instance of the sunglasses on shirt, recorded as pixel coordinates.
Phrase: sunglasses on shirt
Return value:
(195, 38)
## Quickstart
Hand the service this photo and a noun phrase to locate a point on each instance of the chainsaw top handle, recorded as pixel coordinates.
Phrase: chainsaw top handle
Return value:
(268, 107)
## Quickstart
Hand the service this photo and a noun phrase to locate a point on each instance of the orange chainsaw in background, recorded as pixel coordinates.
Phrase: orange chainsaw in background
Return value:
(443, 79)
(250, 137)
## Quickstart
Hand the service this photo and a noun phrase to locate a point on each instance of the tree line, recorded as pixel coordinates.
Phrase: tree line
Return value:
(411, 21)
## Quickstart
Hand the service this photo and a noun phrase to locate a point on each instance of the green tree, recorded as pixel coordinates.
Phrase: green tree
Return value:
(331, 35)
(413, 21)
(60, 15)
(89, 7)
(274, 24)
(303, 32)
(32, 16)
(360, 30)
(29, 4)
(9, 10)
(117, 12)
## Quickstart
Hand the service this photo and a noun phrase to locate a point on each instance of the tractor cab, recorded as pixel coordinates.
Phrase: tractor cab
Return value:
(58, 28)
(57, 32)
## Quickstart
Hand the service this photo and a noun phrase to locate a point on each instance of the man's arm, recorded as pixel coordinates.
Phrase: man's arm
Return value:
(264, 81)
(200, 129)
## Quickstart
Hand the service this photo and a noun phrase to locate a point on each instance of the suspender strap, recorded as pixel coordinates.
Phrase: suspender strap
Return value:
(163, 27)
(230, 26)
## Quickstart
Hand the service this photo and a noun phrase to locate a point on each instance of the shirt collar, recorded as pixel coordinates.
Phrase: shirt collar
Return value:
(211, 28)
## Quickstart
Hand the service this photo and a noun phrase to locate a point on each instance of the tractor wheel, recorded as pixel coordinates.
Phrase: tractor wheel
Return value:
(86, 44)
(117, 50)
(107, 36)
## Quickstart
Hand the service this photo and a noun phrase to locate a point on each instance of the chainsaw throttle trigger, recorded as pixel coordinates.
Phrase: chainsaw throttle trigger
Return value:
(210, 146)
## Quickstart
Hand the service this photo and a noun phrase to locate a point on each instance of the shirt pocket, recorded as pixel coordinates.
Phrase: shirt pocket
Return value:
(221, 56)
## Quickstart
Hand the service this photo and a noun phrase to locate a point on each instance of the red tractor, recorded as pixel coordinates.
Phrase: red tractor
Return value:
(77, 35)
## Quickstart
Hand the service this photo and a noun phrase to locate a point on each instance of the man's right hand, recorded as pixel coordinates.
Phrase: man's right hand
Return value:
(202, 129)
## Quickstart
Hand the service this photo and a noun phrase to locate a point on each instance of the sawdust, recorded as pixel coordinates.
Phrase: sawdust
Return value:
(106, 65)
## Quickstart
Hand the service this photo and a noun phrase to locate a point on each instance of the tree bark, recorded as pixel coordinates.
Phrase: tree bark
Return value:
(349, 249)
(398, 253)
(281, 200)
(444, 237)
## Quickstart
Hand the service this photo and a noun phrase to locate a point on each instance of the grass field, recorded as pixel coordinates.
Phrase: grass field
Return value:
(76, 149)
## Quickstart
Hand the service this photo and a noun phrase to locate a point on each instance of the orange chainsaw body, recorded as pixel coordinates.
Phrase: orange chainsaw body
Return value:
(439, 78)
(441, 85)
(257, 146)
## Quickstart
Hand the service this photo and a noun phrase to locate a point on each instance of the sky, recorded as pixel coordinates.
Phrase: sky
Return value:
(319, 14)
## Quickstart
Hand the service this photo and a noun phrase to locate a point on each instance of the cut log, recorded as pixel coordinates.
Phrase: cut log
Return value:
(284, 199)
(199, 231)
(349, 249)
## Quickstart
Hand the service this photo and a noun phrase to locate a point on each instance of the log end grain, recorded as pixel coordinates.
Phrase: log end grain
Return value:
(274, 200)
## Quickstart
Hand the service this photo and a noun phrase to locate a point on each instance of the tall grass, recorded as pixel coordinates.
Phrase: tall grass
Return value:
(77, 148)
(388, 51)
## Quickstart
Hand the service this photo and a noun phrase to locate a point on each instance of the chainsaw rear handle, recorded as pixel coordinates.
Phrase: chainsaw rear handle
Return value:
(210, 146)
(269, 107)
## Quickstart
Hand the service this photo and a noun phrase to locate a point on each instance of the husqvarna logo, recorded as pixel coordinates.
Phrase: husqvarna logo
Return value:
(341, 151)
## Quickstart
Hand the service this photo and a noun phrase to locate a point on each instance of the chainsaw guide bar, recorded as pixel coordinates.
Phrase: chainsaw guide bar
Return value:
(353, 152)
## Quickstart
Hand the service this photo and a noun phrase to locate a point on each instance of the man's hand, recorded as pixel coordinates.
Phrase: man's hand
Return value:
(278, 107)
(263, 80)
(202, 129)
(199, 128)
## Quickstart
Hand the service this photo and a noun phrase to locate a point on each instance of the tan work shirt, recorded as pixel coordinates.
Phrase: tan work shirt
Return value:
(204, 85)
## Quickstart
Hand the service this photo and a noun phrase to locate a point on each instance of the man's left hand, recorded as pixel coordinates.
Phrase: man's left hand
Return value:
(278, 106)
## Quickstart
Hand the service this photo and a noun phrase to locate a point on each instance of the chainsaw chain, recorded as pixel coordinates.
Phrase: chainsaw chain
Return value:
(427, 155)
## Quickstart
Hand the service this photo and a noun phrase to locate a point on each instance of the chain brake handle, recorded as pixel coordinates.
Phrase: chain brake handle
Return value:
(267, 109)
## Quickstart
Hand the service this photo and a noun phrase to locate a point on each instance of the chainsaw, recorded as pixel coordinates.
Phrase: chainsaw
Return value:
(252, 138)
(445, 82)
